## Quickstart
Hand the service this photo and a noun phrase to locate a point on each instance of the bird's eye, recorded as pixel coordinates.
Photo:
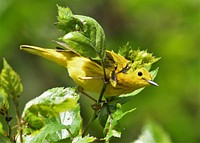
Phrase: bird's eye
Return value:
(139, 73)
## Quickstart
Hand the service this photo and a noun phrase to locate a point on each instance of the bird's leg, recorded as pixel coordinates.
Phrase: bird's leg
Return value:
(96, 106)
(81, 90)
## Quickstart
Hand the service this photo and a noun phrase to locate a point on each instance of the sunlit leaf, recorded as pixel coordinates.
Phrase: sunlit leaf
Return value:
(70, 118)
(85, 139)
(45, 131)
(67, 22)
(53, 116)
(10, 81)
(49, 104)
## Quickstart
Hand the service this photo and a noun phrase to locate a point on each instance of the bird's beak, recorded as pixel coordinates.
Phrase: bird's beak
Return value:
(152, 82)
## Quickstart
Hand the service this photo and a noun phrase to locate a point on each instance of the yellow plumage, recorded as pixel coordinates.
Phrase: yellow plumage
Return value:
(89, 74)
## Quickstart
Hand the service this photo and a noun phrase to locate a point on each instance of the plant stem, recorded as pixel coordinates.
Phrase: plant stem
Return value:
(7, 118)
(81, 90)
(104, 71)
(70, 133)
(106, 81)
(16, 103)
(102, 92)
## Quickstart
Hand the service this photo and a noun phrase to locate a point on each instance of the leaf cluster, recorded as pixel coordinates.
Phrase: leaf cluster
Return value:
(10, 87)
(83, 34)
(137, 57)
(54, 116)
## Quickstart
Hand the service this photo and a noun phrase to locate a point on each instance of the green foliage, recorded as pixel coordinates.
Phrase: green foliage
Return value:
(48, 131)
(138, 58)
(153, 133)
(49, 104)
(54, 116)
(10, 81)
(83, 34)
(67, 22)
(112, 127)
(10, 87)
(80, 44)
(4, 105)
(85, 139)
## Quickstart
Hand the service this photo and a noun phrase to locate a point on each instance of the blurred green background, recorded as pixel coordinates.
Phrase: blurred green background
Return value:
(170, 29)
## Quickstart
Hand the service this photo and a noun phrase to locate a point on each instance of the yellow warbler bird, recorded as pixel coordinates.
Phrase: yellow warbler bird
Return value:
(89, 74)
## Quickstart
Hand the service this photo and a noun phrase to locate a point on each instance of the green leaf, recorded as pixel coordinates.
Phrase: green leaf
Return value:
(72, 119)
(82, 33)
(4, 104)
(10, 81)
(55, 114)
(76, 121)
(46, 130)
(80, 44)
(138, 57)
(85, 139)
(112, 128)
(95, 33)
(67, 22)
(124, 51)
(153, 133)
(154, 73)
(49, 104)
(65, 126)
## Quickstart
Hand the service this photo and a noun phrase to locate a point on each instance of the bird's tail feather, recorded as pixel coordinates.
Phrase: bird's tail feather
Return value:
(58, 56)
